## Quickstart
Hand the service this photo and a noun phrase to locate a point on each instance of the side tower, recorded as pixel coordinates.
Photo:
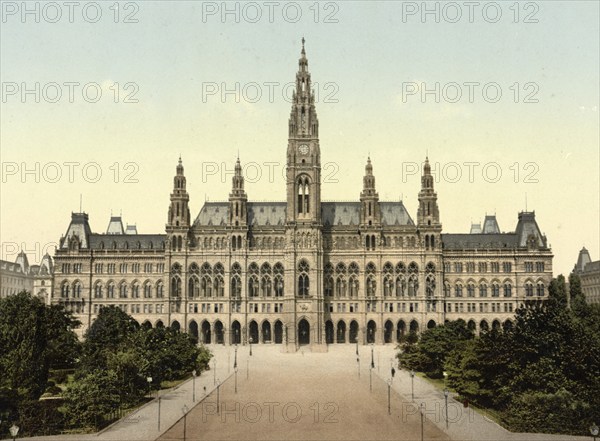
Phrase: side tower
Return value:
(178, 221)
(238, 210)
(430, 228)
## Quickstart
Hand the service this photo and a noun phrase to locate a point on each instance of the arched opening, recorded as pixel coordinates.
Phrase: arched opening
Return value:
(371, 331)
(472, 325)
(341, 332)
(431, 324)
(236, 333)
(278, 332)
(175, 325)
(508, 325)
(483, 326)
(414, 326)
(253, 332)
(388, 331)
(219, 333)
(193, 329)
(266, 332)
(147, 325)
(353, 331)
(328, 332)
(400, 331)
(303, 332)
(496, 324)
(160, 324)
(206, 337)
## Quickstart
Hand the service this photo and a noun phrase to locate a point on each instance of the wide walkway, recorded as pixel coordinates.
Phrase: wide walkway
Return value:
(305, 395)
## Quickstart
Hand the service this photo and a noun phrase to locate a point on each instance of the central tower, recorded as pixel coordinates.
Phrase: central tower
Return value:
(303, 153)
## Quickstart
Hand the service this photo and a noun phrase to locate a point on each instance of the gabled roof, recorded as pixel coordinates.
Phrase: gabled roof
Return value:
(490, 225)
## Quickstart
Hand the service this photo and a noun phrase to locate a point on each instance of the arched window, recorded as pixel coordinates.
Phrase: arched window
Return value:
(194, 287)
(495, 290)
(110, 290)
(371, 281)
(507, 289)
(278, 279)
(540, 289)
(236, 281)
(483, 290)
(470, 290)
(98, 290)
(303, 195)
(303, 279)
(253, 285)
(159, 290)
(147, 290)
(458, 290)
(353, 280)
(123, 290)
(64, 289)
(328, 280)
(413, 279)
(135, 290)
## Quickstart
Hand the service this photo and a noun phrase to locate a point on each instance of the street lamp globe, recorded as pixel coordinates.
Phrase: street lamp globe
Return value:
(412, 373)
(446, 393)
(14, 430)
(594, 430)
(184, 410)
(194, 372)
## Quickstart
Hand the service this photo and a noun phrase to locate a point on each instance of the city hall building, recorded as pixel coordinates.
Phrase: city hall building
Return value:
(303, 271)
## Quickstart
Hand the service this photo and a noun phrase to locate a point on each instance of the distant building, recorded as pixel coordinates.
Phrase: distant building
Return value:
(20, 276)
(589, 274)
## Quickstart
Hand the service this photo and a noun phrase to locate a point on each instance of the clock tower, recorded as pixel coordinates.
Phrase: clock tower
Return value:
(303, 153)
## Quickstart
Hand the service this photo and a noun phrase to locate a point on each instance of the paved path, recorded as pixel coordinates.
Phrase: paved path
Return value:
(325, 387)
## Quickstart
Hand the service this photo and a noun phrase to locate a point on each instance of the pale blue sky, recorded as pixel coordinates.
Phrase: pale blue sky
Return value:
(368, 54)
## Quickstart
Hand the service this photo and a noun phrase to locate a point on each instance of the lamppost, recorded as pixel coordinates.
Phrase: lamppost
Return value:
(14, 431)
(412, 384)
(158, 393)
(372, 359)
(235, 356)
(358, 365)
(218, 394)
(247, 368)
(357, 345)
(250, 340)
(149, 380)
(370, 381)
(446, 397)
(422, 422)
(184, 409)
(594, 430)
(235, 369)
(389, 396)
(194, 385)
(215, 370)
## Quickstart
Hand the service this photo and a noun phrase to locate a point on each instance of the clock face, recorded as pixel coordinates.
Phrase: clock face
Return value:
(303, 149)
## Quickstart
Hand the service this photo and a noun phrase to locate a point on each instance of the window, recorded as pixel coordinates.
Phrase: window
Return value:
(303, 279)
(98, 268)
(447, 267)
(470, 290)
(147, 267)
(495, 267)
(528, 267)
(135, 268)
(482, 267)
(458, 267)
(123, 268)
(540, 289)
(539, 267)
(470, 267)
(529, 289)
(507, 290)
(303, 195)
(507, 267)
(111, 268)
(483, 290)
(458, 290)
(495, 290)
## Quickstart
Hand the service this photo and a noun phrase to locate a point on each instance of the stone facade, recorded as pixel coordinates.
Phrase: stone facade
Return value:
(589, 274)
(303, 271)
(20, 276)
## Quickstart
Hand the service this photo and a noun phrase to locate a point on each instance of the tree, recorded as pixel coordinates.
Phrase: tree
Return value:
(89, 400)
(429, 353)
(33, 337)
(108, 332)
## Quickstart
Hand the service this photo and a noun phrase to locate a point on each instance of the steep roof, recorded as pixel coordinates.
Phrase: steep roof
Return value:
(582, 260)
(274, 213)
(79, 227)
(115, 226)
(127, 241)
(490, 225)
